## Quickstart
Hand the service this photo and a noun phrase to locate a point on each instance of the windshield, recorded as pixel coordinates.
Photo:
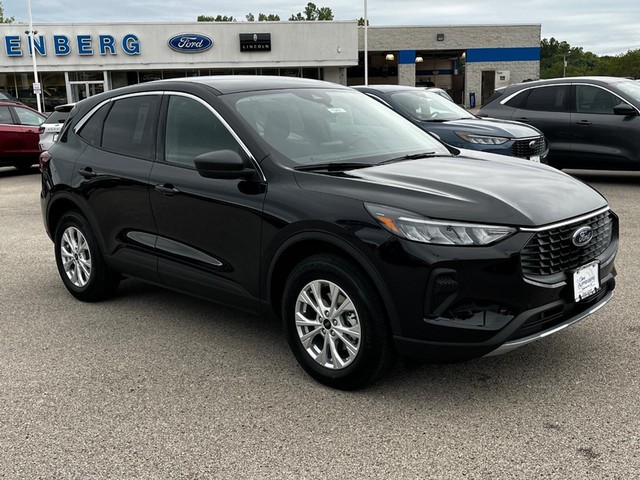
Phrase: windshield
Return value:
(315, 126)
(428, 106)
(631, 88)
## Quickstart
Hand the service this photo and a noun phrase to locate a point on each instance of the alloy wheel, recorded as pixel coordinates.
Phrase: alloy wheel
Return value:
(76, 257)
(327, 324)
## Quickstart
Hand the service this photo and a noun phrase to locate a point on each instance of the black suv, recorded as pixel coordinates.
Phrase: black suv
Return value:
(589, 122)
(312, 201)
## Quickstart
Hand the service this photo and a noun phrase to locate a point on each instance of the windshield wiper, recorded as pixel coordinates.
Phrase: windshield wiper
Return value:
(332, 166)
(414, 156)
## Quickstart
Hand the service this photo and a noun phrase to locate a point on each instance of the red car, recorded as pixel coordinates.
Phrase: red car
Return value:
(19, 135)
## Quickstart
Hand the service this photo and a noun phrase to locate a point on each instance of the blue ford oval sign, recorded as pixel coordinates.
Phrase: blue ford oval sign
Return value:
(190, 43)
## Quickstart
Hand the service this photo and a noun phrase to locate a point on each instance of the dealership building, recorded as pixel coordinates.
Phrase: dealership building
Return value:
(79, 60)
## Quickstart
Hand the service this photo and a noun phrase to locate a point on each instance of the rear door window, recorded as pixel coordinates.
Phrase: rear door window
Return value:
(130, 126)
(5, 116)
(27, 117)
(554, 98)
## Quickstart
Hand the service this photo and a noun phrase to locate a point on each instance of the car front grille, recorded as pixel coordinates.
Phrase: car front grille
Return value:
(529, 147)
(552, 251)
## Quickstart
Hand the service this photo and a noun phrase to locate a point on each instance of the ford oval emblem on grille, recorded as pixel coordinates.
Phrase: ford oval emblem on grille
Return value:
(190, 43)
(532, 143)
(582, 236)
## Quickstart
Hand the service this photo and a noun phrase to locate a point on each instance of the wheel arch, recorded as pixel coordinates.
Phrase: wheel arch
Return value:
(62, 203)
(300, 246)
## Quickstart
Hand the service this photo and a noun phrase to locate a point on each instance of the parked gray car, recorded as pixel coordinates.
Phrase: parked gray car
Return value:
(589, 122)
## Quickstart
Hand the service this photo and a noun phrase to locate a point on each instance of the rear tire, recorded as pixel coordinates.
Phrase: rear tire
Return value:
(80, 263)
(335, 323)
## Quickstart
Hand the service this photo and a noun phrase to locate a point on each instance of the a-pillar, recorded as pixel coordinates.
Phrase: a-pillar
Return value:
(407, 68)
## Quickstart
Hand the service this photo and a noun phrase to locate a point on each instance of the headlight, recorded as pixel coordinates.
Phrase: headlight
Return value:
(437, 232)
(482, 139)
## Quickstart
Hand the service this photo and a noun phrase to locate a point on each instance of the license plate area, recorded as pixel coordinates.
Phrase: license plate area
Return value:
(586, 281)
(535, 158)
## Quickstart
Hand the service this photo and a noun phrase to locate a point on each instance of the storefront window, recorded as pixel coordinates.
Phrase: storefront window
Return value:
(244, 71)
(54, 92)
(311, 73)
(290, 72)
(173, 74)
(86, 76)
(150, 76)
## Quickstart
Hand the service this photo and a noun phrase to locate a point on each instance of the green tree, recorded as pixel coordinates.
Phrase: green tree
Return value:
(262, 17)
(361, 22)
(312, 13)
(271, 17)
(4, 19)
(218, 18)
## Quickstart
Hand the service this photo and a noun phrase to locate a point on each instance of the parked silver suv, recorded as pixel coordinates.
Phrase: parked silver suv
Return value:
(52, 126)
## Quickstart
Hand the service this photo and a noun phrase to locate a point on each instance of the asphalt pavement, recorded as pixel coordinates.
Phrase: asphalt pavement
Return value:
(154, 384)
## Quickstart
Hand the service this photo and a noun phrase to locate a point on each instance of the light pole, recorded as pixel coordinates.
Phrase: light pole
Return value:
(366, 45)
(36, 84)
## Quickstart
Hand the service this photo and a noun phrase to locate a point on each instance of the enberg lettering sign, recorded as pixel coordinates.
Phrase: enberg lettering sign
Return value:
(62, 45)
(255, 42)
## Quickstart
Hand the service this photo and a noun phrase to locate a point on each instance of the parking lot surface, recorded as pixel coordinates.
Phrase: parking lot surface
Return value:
(154, 384)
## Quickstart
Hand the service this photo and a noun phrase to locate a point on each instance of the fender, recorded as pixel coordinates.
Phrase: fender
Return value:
(59, 195)
(353, 252)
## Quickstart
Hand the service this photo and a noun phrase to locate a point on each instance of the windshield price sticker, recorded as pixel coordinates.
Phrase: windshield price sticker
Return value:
(586, 281)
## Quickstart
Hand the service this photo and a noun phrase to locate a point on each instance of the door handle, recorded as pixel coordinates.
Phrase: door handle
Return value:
(583, 122)
(87, 173)
(523, 119)
(167, 189)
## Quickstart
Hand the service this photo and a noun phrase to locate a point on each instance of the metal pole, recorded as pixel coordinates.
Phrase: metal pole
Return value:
(33, 55)
(564, 63)
(366, 45)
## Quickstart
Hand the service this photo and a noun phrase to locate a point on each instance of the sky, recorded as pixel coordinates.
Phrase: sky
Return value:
(604, 28)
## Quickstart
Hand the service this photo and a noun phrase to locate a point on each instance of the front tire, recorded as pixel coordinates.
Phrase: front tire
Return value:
(335, 323)
(80, 263)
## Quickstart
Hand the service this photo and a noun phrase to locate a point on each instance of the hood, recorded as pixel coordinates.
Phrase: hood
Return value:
(483, 188)
(485, 126)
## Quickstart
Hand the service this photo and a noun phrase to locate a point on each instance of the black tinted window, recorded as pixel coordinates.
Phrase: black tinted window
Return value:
(130, 126)
(192, 129)
(57, 117)
(595, 100)
(548, 99)
(92, 130)
(519, 100)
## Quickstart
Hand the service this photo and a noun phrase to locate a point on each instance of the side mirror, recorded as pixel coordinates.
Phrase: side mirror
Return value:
(222, 164)
(624, 109)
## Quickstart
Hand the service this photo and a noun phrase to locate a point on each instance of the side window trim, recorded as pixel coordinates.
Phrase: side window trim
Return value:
(85, 119)
(235, 136)
(77, 128)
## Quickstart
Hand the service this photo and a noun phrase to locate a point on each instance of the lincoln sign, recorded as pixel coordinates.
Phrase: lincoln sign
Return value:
(255, 42)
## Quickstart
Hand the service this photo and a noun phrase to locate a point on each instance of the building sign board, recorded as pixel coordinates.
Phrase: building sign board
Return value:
(255, 42)
(190, 43)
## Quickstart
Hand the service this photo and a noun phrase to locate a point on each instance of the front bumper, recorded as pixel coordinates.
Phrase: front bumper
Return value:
(475, 301)
(513, 344)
